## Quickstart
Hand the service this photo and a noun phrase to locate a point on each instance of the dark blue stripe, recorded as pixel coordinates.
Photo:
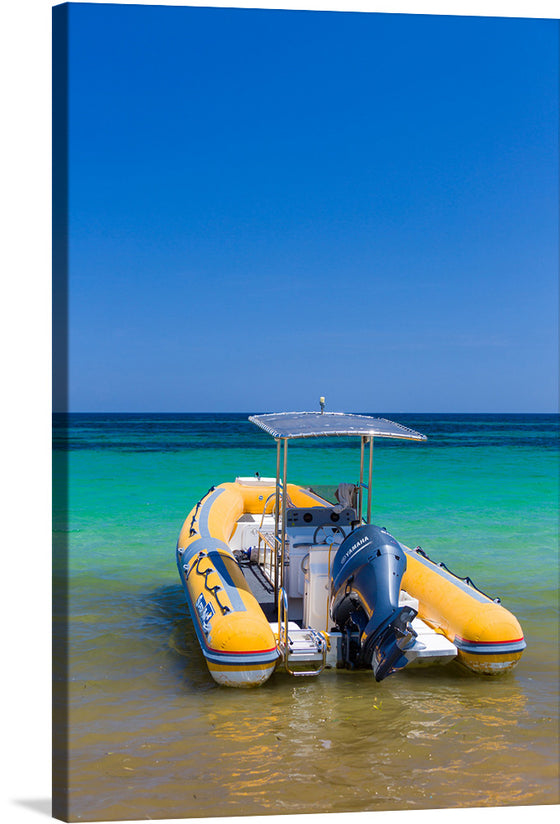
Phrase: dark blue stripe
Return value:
(212, 546)
(239, 659)
(227, 582)
(205, 511)
(202, 544)
(497, 648)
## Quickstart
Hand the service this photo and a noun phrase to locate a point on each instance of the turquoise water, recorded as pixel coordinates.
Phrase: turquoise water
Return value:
(149, 734)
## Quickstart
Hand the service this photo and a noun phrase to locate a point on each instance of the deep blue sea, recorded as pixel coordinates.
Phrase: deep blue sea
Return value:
(150, 735)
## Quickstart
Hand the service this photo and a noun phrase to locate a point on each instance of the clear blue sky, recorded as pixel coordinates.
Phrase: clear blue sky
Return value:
(269, 206)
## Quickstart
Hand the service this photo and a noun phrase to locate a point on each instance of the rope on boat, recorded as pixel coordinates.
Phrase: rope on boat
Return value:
(466, 579)
(192, 530)
(206, 572)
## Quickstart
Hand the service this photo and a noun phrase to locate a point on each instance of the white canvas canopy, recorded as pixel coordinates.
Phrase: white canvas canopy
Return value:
(318, 424)
(285, 426)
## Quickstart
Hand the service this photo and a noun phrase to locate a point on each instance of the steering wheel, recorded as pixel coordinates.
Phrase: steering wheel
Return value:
(328, 530)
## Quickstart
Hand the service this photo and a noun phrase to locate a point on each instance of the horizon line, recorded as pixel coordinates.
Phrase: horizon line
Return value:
(253, 412)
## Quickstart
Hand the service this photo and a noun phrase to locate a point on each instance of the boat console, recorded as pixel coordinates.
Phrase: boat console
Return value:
(320, 516)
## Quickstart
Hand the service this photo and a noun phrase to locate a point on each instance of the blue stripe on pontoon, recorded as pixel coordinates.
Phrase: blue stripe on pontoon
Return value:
(268, 657)
(206, 544)
(229, 586)
(205, 510)
(498, 648)
(201, 525)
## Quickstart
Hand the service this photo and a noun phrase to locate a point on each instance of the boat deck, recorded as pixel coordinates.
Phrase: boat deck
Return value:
(262, 589)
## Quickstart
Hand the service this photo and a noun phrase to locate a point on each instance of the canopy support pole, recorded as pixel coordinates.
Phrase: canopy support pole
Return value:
(279, 588)
(284, 498)
(277, 517)
(370, 476)
(361, 484)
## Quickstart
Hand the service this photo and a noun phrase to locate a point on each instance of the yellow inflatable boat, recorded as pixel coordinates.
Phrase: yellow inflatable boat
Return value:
(277, 575)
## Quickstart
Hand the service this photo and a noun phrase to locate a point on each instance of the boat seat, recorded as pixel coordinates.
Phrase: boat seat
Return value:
(347, 496)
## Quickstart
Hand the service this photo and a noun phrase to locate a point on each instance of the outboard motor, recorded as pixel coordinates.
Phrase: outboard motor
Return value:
(365, 586)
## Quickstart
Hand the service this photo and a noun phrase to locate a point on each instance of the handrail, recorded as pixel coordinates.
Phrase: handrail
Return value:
(278, 494)
(283, 614)
(272, 495)
(266, 539)
(272, 569)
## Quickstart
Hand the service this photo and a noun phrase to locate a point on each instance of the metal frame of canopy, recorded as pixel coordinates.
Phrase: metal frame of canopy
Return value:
(285, 426)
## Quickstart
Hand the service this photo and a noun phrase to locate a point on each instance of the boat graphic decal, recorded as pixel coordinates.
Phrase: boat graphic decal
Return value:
(229, 657)
(205, 612)
(356, 547)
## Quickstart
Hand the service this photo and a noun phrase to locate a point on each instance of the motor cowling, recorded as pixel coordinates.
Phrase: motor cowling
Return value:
(365, 585)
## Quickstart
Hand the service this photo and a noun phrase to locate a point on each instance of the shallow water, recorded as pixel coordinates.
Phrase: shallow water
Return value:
(151, 735)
